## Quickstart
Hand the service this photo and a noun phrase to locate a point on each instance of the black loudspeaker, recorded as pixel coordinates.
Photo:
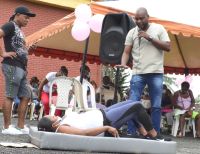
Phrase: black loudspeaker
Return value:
(113, 34)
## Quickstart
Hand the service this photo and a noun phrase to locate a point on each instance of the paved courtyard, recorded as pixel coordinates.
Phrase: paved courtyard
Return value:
(186, 145)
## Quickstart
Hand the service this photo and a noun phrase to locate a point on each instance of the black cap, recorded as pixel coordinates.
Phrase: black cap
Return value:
(24, 10)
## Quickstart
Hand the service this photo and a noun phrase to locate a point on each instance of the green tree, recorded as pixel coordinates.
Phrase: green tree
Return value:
(122, 84)
(170, 81)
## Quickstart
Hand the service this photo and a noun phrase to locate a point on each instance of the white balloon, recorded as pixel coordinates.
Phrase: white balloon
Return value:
(96, 22)
(83, 12)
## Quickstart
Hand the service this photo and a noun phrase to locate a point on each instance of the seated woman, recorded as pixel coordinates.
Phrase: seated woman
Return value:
(183, 101)
(96, 122)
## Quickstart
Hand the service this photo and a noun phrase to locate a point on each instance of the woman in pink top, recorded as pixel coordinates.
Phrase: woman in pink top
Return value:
(183, 100)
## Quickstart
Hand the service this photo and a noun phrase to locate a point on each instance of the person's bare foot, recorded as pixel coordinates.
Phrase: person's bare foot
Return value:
(152, 133)
(198, 135)
(179, 135)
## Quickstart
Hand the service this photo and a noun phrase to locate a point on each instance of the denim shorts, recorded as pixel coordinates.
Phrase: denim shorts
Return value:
(15, 82)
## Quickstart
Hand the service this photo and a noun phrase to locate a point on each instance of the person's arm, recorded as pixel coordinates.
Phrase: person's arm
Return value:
(2, 52)
(171, 100)
(87, 132)
(44, 81)
(162, 45)
(192, 100)
(125, 56)
(127, 49)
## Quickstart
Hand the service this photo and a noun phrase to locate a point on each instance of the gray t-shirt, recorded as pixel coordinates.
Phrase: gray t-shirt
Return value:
(14, 40)
(146, 57)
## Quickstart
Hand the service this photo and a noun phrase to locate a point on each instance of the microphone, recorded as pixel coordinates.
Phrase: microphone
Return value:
(139, 38)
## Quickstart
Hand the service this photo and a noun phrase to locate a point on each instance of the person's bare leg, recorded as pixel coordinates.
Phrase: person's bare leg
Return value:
(7, 109)
(22, 111)
(142, 131)
(182, 123)
(198, 125)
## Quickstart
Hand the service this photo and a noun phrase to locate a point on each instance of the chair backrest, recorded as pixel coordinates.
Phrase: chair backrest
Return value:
(91, 103)
(85, 86)
(63, 86)
(78, 94)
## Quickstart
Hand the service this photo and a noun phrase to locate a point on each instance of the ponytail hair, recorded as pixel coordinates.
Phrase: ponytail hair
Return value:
(12, 17)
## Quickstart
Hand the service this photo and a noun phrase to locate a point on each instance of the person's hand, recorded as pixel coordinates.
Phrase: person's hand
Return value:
(122, 66)
(9, 54)
(113, 131)
(143, 34)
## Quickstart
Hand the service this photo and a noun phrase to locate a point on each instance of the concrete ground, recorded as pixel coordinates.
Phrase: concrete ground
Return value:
(186, 145)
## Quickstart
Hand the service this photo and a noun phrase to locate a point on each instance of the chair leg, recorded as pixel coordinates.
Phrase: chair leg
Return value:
(193, 128)
(175, 126)
(41, 112)
(27, 111)
(32, 110)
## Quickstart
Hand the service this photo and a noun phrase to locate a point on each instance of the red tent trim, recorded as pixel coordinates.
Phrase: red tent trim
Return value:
(183, 71)
(68, 55)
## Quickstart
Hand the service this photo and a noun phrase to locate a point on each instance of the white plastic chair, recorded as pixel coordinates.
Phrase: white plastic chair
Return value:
(64, 86)
(176, 125)
(85, 86)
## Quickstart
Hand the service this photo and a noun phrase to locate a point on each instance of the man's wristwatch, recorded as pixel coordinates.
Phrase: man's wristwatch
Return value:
(150, 38)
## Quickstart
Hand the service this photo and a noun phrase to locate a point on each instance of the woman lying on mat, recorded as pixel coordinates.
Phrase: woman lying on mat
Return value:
(96, 122)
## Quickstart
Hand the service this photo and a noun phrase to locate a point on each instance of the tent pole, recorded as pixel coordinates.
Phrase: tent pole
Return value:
(84, 59)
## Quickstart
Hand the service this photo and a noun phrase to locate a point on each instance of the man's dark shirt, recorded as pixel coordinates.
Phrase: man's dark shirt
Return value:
(14, 41)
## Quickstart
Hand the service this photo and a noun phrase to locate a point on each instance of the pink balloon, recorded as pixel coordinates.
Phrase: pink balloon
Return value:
(80, 31)
(83, 12)
(96, 22)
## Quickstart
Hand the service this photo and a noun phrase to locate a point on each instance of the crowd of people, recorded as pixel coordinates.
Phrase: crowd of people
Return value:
(146, 87)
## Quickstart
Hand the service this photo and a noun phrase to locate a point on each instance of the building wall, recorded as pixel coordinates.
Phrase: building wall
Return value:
(40, 66)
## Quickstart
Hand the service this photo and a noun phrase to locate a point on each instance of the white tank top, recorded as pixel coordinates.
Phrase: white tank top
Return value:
(84, 120)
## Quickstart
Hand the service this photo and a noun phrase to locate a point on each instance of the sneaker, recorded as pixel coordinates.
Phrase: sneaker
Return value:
(11, 131)
(25, 130)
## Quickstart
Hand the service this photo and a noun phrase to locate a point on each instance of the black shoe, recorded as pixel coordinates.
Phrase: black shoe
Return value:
(159, 138)
(133, 136)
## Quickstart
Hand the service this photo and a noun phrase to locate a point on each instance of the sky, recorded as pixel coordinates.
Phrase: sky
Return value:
(182, 11)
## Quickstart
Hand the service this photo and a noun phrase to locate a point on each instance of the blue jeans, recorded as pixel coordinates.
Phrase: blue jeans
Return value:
(154, 81)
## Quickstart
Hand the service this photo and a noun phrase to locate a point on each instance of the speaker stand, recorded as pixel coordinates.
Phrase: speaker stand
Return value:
(116, 86)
